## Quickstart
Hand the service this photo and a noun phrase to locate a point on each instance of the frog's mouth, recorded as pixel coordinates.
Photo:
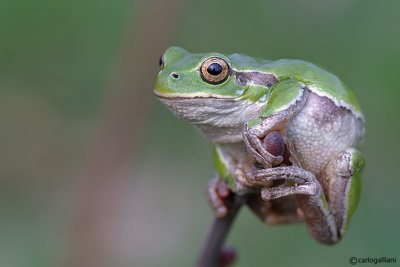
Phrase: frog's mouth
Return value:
(192, 96)
(200, 109)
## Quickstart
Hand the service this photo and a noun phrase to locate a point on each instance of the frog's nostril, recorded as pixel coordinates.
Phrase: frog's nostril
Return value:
(174, 75)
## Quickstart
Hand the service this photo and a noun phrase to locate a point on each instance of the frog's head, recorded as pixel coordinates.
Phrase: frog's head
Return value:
(209, 75)
(211, 89)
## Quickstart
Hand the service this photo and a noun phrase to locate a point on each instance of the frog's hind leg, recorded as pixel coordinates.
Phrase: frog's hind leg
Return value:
(344, 180)
(326, 214)
(308, 192)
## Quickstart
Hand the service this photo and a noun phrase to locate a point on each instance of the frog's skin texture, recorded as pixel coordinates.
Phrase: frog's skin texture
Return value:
(318, 118)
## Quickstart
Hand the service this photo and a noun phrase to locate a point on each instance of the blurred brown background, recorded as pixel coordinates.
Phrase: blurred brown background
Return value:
(95, 172)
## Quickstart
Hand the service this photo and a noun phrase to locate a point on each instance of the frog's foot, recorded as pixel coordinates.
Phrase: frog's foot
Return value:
(257, 149)
(218, 194)
(296, 181)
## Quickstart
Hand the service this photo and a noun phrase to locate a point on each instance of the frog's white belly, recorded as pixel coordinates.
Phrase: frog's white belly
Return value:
(321, 130)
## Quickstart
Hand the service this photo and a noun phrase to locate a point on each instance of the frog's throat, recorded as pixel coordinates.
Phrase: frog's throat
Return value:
(219, 120)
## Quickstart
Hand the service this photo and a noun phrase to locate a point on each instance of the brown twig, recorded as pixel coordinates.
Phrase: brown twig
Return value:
(210, 254)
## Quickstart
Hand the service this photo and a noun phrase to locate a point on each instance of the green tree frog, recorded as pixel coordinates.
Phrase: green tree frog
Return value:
(237, 101)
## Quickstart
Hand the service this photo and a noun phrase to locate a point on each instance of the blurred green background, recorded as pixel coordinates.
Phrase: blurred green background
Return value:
(95, 172)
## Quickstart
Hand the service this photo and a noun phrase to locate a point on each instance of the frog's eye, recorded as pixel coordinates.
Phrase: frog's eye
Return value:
(214, 70)
(161, 62)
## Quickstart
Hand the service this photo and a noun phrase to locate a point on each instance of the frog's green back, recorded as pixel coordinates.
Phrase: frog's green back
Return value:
(189, 82)
(317, 80)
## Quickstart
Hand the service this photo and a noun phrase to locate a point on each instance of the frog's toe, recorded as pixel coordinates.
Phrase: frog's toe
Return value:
(218, 194)
(254, 154)
(346, 163)
(260, 151)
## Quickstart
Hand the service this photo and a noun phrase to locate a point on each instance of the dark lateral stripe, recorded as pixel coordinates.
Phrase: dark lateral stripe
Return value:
(260, 78)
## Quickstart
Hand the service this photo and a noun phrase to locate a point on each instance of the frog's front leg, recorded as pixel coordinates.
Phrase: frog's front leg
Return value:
(285, 100)
(326, 220)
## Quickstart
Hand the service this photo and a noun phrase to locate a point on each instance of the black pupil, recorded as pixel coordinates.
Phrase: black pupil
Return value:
(214, 69)
(161, 62)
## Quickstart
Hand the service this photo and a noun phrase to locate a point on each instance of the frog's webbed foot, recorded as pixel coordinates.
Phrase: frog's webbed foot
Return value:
(296, 181)
(219, 196)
